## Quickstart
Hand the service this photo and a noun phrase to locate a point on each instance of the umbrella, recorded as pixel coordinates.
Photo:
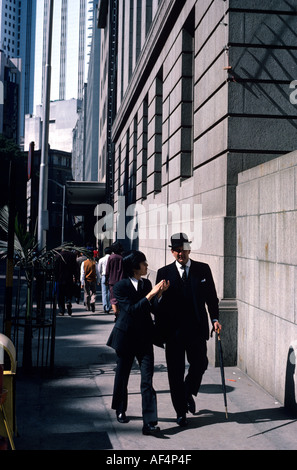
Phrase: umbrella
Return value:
(222, 371)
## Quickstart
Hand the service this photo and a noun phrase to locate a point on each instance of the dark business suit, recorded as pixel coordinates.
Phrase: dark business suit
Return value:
(132, 336)
(182, 322)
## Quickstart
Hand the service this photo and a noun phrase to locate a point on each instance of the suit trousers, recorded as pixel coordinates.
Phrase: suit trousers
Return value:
(183, 344)
(148, 394)
(65, 292)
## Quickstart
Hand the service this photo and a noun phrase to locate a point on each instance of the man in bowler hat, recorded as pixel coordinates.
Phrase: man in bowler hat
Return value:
(182, 323)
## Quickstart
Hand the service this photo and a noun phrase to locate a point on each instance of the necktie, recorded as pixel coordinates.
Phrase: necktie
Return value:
(184, 276)
(139, 285)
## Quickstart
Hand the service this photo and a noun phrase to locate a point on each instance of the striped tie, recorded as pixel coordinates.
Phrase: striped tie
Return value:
(184, 276)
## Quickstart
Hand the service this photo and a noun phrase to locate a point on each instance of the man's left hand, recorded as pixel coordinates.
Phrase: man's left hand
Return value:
(217, 326)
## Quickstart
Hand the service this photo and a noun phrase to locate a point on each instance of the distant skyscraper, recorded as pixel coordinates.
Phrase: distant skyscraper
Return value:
(9, 18)
(17, 40)
(71, 23)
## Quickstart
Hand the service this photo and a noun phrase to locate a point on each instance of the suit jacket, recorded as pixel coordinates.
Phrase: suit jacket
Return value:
(171, 310)
(134, 328)
(66, 268)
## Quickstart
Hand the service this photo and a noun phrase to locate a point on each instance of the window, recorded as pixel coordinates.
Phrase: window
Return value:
(188, 59)
(144, 148)
(158, 132)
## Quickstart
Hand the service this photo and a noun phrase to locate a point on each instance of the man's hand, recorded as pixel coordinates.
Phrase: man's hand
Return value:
(163, 287)
(217, 326)
(158, 289)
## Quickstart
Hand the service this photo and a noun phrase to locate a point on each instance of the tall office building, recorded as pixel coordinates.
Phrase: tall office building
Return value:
(69, 48)
(9, 27)
(26, 50)
(17, 40)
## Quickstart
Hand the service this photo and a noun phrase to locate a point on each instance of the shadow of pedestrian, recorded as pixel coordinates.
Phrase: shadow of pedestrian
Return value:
(208, 418)
(214, 388)
(290, 388)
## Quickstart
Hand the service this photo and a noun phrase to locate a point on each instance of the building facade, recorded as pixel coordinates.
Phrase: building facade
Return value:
(59, 172)
(10, 85)
(26, 51)
(70, 41)
(17, 42)
(107, 21)
(63, 117)
(92, 105)
(9, 22)
(201, 94)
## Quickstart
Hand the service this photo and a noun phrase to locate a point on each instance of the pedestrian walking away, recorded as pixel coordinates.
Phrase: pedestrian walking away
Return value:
(79, 260)
(102, 275)
(88, 278)
(132, 337)
(65, 269)
(114, 273)
(182, 323)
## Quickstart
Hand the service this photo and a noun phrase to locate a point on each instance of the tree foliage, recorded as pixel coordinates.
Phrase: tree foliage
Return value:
(10, 152)
(8, 149)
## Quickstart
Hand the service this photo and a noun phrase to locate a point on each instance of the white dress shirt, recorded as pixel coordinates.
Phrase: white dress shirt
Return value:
(181, 269)
(135, 282)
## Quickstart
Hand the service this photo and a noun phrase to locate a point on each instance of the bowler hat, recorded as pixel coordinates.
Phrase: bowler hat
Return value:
(180, 239)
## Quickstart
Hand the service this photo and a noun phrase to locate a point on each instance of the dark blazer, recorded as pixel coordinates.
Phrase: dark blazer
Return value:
(134, 328)
(66, 267)
(171, 306)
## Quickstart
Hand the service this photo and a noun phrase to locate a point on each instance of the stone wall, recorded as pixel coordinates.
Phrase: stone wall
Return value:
(207, 99)
(267, 274)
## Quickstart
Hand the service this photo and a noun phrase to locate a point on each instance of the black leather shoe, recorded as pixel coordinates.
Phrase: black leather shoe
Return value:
(122, 418)
(150, 430)
(182, 421)
(191, 404)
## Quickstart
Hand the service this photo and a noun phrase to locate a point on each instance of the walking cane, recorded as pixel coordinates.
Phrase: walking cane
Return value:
(222, 371)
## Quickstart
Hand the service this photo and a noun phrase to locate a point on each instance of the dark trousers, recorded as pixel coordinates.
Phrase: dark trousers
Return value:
(65, 292)
(148, 394)
(183, 345)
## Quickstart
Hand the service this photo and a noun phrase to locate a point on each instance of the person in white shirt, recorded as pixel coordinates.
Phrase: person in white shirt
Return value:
(102, 276)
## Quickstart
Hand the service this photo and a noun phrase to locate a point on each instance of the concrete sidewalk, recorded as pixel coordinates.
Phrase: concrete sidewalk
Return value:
(70, 409)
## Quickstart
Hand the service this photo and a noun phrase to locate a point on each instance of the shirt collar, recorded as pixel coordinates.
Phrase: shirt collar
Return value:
(135, 281)
(179, 266)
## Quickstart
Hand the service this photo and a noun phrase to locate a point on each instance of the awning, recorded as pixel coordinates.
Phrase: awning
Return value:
(82, 193)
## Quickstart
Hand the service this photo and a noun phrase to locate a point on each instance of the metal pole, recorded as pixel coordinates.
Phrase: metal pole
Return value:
(222, 372)
(10, 251)
(43, 182)
(63, 213)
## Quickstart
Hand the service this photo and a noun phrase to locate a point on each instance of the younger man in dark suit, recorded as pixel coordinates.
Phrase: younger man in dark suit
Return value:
(132, 336)
(182, 322)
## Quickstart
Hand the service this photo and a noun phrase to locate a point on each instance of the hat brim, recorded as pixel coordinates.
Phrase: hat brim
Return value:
(185, 245)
